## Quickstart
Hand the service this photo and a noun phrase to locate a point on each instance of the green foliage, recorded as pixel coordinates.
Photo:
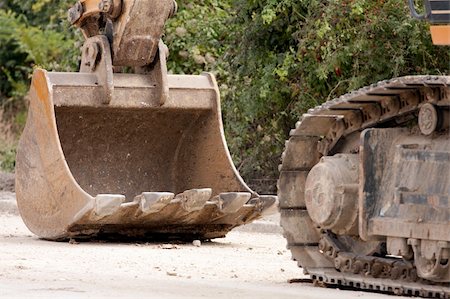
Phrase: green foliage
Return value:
(32, 34)
(7, 157)
(292, 55)
(273, 59)
(198, 36)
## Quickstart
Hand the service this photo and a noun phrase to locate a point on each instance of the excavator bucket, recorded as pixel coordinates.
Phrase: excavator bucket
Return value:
(129, 166)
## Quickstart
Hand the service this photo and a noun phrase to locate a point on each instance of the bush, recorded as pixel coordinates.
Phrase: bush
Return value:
(32, 34)
(291, 55)
(273, 59)
(198, 36)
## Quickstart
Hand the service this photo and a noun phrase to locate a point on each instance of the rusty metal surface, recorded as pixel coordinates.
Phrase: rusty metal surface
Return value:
(410, 190)
(131, 167)
(335, 128)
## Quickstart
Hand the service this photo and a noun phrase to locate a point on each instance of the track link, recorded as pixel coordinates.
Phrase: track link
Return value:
(320, 132)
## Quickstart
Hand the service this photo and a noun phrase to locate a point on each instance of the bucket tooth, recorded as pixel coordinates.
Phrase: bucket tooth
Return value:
(128, 210)
(253, 210)
(249, 210)
(231, 202)
(193, 200)
(125, 213)
(228, 204)
(257, 204)
(153, 202)
(258, 207)
(107, 205)
(269, 204)
(238, 217)
(210, 211)
(263, 205)
(213, 203)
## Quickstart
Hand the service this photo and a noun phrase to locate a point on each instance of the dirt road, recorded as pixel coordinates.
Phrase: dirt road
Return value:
(243, 265)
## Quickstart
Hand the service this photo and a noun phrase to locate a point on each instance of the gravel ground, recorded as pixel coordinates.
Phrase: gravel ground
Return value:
(244, 265)
(251, 262)
(8, 203)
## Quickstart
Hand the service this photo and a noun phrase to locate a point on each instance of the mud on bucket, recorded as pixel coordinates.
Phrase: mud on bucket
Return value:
(132, 167)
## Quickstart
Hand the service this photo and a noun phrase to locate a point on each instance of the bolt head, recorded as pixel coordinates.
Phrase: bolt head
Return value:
(428, 119)
(105, 6)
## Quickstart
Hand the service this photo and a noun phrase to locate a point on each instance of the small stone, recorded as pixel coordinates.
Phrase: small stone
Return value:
(168, 246)
(73, 241)
(197, 243)
(171, 273)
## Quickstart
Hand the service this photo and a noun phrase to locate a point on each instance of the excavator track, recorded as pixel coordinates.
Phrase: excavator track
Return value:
(326, 130)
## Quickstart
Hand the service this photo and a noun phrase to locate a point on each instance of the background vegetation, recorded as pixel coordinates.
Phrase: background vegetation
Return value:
(32, 34)
(274, 59)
